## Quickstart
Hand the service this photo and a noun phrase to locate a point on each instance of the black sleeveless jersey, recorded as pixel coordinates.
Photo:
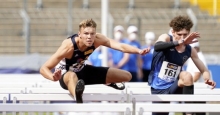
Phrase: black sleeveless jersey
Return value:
(76, 63)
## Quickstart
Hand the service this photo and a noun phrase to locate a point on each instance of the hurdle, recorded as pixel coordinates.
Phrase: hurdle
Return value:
(90, 94)
(126, 108)
(66, 97)
(46, 90)
(173, 97)
(138, 93)
(110, 107)
(105, 90)
(57, 84)
(204, 91)
(4, 98)
(127, 85)
(141, 108)
(17, 85)
(12, 90)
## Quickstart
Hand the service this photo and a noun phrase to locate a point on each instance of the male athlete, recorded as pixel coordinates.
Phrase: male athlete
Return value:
(171, 52)
(73, 73)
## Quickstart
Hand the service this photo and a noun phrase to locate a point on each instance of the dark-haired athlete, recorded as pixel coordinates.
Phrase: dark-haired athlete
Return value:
(170, 53)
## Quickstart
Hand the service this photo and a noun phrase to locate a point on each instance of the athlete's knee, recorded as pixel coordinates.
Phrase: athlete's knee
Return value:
(71, 76)
(127, 76)
(186, 78)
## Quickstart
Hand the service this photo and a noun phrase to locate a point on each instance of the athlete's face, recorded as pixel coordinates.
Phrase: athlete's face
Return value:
(180, 34)
(87, 35)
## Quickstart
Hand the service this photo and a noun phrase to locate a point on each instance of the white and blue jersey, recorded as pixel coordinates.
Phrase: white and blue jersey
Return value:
(166, 66)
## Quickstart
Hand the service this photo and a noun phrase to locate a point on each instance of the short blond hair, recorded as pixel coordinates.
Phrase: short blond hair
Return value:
(87, 23)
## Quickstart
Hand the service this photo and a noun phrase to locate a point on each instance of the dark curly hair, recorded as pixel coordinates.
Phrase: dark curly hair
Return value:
(181, 22)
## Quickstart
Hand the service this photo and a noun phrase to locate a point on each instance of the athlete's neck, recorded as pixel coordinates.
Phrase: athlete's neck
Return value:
(82, 47)
(180, 48)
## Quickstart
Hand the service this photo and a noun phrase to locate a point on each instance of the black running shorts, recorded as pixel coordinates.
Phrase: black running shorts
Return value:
(90, 74)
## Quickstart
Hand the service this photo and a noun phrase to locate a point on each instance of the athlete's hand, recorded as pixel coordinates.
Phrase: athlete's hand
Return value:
(191, 38)
(57, 75)
(144, 51)
(211, 83)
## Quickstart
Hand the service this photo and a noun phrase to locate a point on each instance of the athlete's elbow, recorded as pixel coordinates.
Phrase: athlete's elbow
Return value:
(157, 47)
(41, 70)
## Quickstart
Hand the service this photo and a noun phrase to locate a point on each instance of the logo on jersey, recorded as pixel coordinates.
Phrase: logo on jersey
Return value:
(185, 58)
(172, 50)
(80, 61)
(172, 66)
(88, 52)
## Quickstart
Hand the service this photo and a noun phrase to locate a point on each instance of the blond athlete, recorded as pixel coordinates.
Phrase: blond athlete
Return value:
(73, 73)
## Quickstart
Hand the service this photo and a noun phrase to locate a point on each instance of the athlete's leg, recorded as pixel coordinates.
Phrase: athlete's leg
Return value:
(134, 77)
(75, 86)
(145, 75)
(104, 75)
(173, 89)
(186, 81)
(159, 91)
(116, 77)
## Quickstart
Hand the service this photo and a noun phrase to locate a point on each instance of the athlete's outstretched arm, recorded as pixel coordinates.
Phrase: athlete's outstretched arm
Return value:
(46, 68)
(202, 68)
(164, 42)
(103, 40)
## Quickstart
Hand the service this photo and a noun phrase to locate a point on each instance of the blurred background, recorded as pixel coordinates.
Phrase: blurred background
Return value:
(32, 30)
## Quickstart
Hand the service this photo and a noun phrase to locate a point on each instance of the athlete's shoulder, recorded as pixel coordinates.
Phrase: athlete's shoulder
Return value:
(100, 39)
(67, 44)
(99, 36)
(164, 37)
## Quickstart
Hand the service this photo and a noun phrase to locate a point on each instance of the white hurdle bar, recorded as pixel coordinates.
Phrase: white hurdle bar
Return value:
(127, 85)
(12, 90)
(173, 97)
(98, 94)
(17, 85)
(105, 90)
(145, 85)
(206, 91)
(110, 107)
(142, 93)
(177, 108)
(67, 97)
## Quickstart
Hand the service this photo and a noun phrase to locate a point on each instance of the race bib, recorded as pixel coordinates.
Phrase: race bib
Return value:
(61, 67)
(169, 71)
(76, 67)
